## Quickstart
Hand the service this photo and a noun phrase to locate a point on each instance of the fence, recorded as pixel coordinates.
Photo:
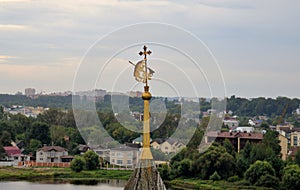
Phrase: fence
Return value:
(44, 164)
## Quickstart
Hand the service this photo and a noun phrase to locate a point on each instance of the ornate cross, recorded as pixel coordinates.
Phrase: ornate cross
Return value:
(145, 53)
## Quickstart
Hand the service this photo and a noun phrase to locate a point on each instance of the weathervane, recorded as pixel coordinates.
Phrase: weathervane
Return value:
(142, 72)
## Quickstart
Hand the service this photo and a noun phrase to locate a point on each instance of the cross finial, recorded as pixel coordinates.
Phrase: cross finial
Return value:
(145, 52)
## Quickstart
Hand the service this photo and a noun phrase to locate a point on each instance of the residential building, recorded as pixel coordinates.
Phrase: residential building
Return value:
(295, 138)
(284, 146)
(231, 122)
(237, 139)
(291, 133)
(168, 146)
(52, 154)
(13, 155)
(124, 156)
(139, 140)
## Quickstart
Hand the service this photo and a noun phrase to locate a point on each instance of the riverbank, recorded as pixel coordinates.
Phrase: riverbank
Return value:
(42, 174)
(193, 184)
(15, 173)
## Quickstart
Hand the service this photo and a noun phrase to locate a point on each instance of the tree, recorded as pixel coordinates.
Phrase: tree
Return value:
(291, 177)
(257, 170)
(91, 159)
(1, 112)
(33, 146)
(57, 133)
(297, 157)
(260, 152)
(5, 138)
(40, 131)
(184, 168)
(271, 140)
(214, 159)
(9, 127)
(2, 151)
(229, 148)
(165, 171)
(77, 164)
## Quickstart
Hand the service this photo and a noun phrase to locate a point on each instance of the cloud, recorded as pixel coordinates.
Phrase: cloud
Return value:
(249, 36)
(6, 58)
(12, 27)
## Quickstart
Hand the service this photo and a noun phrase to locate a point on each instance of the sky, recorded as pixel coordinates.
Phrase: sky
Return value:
(255, 45)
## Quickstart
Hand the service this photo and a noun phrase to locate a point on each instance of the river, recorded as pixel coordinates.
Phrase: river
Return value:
(47, 185)
(64, 185)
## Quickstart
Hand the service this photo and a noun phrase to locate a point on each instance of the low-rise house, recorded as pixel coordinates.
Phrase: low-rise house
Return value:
(139, 140)
(237, 139)
(168, 146)
(13, 154)
(231, 122)
(124, 156)
(52, 154)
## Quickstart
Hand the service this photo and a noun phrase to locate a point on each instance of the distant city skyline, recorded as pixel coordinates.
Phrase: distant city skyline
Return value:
(256, 43)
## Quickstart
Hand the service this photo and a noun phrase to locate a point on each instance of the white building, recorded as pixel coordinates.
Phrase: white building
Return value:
(124, 156)
(52, 154)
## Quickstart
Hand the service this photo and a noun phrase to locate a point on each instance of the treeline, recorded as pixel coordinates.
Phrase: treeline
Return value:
(281, 106)
(43, 101)
(239, 106)
(256, 165)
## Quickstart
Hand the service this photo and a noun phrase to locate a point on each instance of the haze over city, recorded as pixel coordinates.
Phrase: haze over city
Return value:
(256, 43)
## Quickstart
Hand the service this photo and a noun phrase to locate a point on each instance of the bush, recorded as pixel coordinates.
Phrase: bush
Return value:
(215, 176)
(257, 170)
(268, 181)
(291, 177)
(77, 164)
(92, 160)
(233, 178)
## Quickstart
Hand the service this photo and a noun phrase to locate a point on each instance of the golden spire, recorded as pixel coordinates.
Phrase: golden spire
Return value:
(146, 153)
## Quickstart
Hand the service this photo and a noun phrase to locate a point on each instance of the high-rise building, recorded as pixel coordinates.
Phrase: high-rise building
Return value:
(29, 91)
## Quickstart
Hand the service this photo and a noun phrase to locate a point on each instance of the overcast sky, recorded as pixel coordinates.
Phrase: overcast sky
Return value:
(256, 43)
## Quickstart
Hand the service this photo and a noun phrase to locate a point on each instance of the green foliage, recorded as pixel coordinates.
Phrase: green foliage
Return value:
(260, 152)
(91, 159)
(234, 178)
(229, 148)
(57, 133)
(214, 159)
(184, 168)
(164, 171)
(268, 181)
(242, 165)
(291, 177)
(5, 139)
(215, 176)
(77, 164)
(257, 170)
(33, 146)
(40, 131)
(297, 157)
(2, 151)
(9, 127)
(271, 140)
